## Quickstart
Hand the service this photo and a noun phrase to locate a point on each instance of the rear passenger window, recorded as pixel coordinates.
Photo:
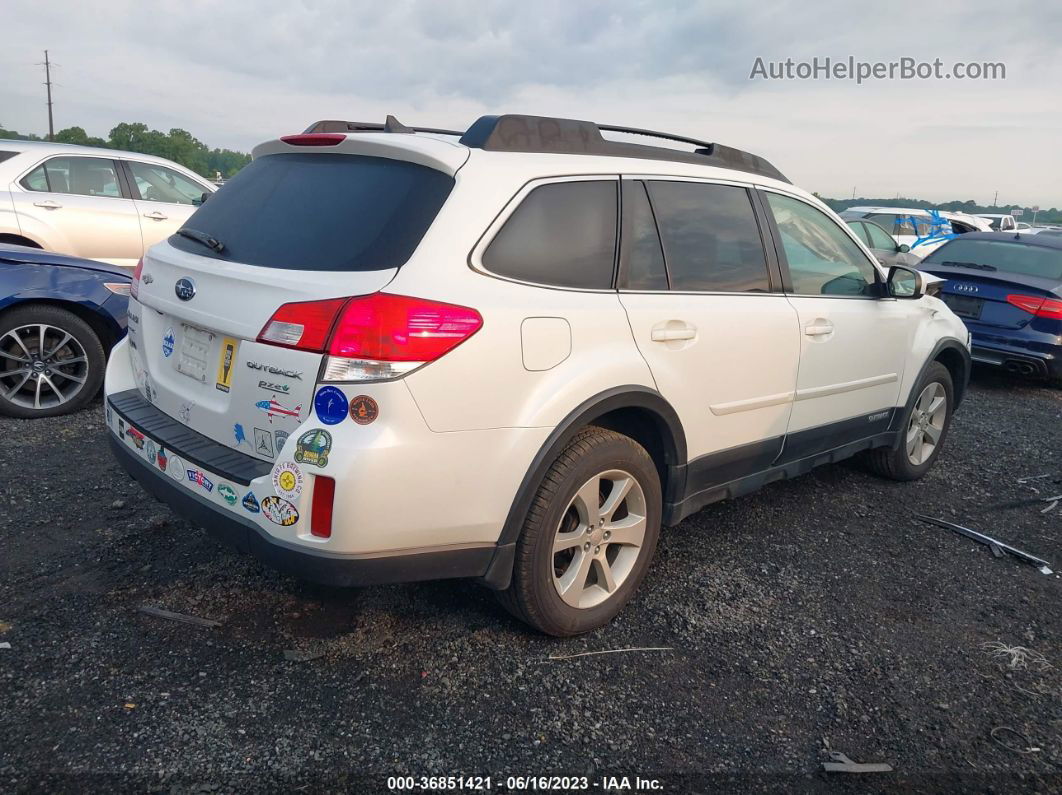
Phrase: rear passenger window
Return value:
(82, 176)
(643, 259)
(711, 240)
(562, 234)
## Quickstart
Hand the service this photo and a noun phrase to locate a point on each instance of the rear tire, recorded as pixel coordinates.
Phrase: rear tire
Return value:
(923, 430)
(589, 535)
(59, 380)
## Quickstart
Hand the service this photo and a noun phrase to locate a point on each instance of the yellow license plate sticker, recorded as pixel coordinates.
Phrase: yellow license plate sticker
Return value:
(226, 363)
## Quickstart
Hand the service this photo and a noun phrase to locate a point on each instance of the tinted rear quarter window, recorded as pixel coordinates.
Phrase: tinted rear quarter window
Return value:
(562, 234)
(710, 236)
(321, 212)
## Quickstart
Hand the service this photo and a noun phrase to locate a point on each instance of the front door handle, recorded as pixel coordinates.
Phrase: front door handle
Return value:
(48, 204)
(820, 328)
(155, 215)
(664, 333)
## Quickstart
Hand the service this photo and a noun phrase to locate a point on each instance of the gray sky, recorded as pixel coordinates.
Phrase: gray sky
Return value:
(239, 72)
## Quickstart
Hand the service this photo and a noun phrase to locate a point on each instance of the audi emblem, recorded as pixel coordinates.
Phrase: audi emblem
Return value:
(185, 289)
(965, 288)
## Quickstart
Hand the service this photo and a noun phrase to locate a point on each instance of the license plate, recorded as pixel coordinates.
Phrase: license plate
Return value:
(194, 356)
(964, 305)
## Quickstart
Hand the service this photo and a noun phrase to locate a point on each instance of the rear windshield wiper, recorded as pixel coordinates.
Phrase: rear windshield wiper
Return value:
(202, 238)
(975, 265)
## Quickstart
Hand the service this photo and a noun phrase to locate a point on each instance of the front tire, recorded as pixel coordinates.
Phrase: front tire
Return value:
(589, 535)
(924, 429)
(51, 362)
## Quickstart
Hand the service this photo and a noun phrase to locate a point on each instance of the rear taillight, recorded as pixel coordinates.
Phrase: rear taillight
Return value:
(313, 139)
(373, 337)
(1037, 305)
(304, 325)
(324, 492)
(134, 288)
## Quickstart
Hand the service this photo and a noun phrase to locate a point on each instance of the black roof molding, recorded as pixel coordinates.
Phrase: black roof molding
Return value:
(518, 133)
(546, 134)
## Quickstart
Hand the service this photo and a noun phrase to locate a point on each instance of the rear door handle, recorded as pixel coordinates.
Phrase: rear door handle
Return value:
(156, 215)
(820, 329)
(48, 204)
(664, 333)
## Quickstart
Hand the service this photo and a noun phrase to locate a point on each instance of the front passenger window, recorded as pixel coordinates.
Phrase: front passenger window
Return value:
(160, 184)
(823, 260)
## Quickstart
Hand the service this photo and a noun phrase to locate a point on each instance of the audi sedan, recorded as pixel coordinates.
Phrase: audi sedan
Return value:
(1007, 288)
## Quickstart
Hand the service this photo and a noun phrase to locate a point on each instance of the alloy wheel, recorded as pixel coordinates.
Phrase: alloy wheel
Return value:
(41, 366)
(927, 423)
(599, 538)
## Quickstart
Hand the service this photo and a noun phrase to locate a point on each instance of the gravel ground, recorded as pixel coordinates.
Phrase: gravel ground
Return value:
(813, 615)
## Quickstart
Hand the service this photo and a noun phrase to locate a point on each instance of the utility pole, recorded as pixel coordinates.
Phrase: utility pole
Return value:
(48, 83)
(995, 199)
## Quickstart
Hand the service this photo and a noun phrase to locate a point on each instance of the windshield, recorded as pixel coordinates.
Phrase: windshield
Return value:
(1003, 255)
(319, 212)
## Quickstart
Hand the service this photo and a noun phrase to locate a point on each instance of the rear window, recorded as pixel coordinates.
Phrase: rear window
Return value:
(1001, 255)
(320, 212)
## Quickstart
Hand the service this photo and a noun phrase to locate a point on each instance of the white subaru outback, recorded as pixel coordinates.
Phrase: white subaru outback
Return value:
(388, 354)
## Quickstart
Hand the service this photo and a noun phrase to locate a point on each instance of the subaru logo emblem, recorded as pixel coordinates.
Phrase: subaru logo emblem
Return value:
(966, 288)
(185, 289)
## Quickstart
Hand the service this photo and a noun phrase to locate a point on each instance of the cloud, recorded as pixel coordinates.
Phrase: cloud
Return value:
(238, 72)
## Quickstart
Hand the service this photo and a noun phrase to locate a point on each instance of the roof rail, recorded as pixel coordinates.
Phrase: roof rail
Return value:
(518, 133)
(545, 134)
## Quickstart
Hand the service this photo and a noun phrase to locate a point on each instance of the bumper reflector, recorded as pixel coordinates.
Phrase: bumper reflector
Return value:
(324, 491)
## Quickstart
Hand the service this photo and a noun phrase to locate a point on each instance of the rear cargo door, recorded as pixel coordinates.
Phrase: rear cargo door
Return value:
(290, 228)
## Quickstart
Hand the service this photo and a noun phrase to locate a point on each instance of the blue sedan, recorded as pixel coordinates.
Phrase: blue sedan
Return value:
(59, 318)
(1008, 290)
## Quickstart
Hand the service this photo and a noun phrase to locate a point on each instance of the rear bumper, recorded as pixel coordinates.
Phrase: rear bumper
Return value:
(1042, 360)
(317, 566)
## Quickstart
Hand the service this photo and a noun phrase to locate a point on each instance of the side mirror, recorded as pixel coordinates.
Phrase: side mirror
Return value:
(203, 198)
(905, 283)
(903, 248)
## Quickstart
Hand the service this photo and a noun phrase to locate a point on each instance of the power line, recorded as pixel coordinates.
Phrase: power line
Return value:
(48, 82)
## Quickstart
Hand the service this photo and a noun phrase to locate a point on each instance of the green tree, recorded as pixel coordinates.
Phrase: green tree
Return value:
(77, 135)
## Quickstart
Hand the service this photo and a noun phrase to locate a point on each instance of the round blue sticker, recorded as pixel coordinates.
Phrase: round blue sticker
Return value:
(331, 405)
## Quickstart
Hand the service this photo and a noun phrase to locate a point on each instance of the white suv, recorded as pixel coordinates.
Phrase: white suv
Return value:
(383, 354)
